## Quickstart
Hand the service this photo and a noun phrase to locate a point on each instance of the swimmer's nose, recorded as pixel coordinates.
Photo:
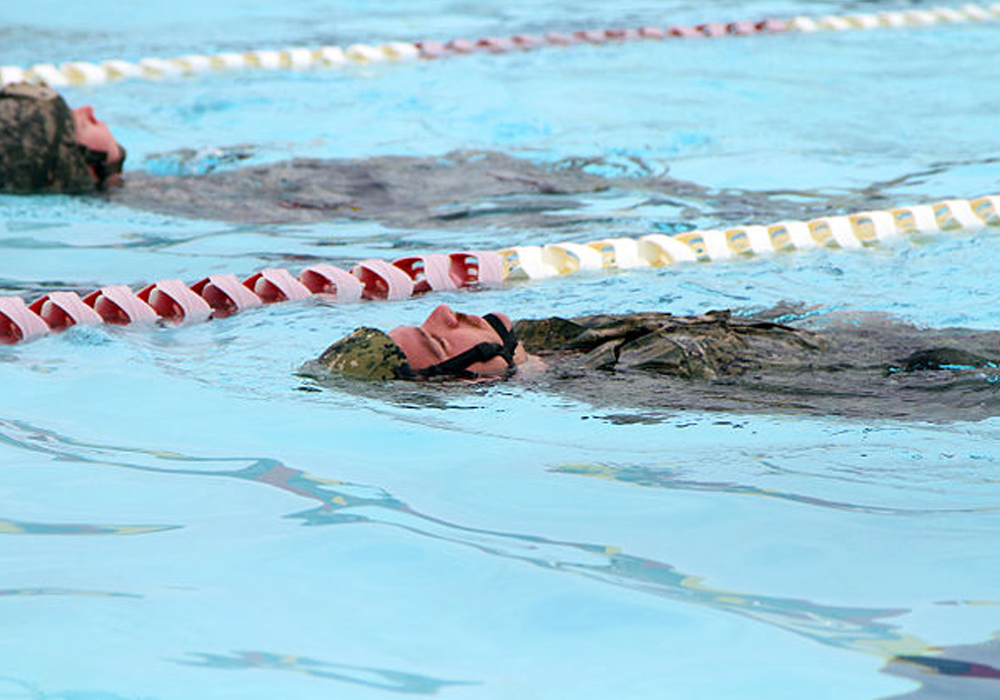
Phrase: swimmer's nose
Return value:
(88, 113)
(442, 317)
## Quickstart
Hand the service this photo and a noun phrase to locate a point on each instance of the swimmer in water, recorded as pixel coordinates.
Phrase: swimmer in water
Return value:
(47, 148)
(850, 365)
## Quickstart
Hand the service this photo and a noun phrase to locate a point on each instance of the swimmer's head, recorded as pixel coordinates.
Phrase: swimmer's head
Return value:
(447, 345)
(40, 146)
(104, 156)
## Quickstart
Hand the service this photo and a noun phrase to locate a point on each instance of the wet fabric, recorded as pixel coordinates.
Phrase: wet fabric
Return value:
(38, 149)
(857, 366)
(367, 353)
(399, 190)
(462, 189)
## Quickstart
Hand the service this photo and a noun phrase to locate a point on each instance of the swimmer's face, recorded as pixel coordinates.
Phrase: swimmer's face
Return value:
(95, 135)
(446, 334)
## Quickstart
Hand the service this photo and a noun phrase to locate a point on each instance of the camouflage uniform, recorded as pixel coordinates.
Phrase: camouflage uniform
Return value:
(708, 346)
(367, 353)
(38, 149)
(857, 366)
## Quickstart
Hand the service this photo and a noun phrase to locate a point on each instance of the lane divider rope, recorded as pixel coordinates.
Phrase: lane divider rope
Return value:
(852, 231)
(221, 295)
(306, 58)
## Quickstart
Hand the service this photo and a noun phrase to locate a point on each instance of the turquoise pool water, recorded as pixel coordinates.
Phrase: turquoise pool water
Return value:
(181, 516)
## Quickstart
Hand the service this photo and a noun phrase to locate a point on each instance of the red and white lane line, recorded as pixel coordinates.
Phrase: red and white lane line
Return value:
(221, 295)
(308, 58)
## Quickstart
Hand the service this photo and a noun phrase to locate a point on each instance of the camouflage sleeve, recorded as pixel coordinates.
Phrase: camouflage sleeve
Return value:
(38, 150)
(584, 333)
(547, 334)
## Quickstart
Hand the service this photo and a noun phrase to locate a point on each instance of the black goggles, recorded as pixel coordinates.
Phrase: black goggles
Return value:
(458, 366)
(98, 162)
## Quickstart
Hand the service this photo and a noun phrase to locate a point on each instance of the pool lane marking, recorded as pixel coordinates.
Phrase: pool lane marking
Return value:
(307, 58)
(220, 295)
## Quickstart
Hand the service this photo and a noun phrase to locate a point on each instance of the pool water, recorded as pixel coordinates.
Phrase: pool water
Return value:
(183, 516)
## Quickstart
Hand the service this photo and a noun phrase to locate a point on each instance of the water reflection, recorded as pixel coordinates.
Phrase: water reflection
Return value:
(658, 478)
(339, 502)
(17, 689)
(969, 672)
(21, 527)
(65, 592)
(343, 502)
(368, 676)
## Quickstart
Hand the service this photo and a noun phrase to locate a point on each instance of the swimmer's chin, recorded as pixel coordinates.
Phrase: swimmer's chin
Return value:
(532, 368)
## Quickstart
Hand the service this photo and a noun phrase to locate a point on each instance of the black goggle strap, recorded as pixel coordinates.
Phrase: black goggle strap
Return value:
(506, 335)
(458, 366)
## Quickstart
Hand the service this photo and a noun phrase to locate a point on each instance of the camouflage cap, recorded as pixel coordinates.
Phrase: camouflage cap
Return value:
(38, 149)
(367, 353)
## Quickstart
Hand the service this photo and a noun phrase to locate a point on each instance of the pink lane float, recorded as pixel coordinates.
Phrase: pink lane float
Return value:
(220, 295)
(526, 42)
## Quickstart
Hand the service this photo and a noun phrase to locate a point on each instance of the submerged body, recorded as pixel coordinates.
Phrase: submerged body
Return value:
(461, 189)
(853, 366)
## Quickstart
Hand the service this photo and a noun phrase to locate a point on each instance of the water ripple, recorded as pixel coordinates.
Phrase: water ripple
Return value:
(21, 527)
(858, 629)
(367, 676)
(656, 478)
